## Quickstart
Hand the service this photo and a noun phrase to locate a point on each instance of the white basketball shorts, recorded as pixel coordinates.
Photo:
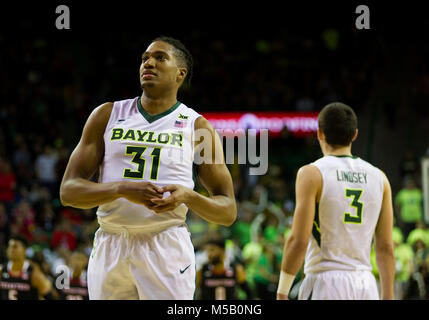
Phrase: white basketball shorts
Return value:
(136, 266)
(339, 285)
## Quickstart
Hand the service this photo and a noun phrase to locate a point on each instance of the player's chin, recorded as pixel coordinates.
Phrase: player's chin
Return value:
(147, 84)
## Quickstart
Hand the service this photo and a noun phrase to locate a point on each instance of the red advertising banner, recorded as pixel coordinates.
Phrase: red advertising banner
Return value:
(300, 124)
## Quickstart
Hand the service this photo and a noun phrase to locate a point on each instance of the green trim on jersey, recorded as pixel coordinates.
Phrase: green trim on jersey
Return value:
(316, 225)
(194, 174)
(343, 156)
(151, 118)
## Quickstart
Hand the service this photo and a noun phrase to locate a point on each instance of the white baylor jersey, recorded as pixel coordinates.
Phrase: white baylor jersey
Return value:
(143, 147)
(346, 216)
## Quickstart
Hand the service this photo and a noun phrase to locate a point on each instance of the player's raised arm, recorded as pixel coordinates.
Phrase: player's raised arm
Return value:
(384, 252)
(76, 188)
(219, 207)
(308, 186)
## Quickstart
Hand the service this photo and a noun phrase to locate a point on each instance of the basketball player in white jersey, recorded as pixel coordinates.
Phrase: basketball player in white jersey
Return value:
(342, 203)
(144, 151)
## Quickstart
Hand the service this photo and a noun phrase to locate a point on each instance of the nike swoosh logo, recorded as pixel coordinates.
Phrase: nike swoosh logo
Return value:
(181, 271)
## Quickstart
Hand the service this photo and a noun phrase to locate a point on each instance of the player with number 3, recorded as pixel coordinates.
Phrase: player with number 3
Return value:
(342, 202)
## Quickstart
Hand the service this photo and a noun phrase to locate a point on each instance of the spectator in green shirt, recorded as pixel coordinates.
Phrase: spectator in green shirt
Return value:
(265, 277)
(419, 240)
(408, 204)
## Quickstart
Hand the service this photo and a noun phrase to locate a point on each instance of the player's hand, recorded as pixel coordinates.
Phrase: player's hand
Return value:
(178, 195)
(141, 192)
(281, 296)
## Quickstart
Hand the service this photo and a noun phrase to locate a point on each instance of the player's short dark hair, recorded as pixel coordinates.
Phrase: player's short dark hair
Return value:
(20, 238)
(182, 53)
(339, 123)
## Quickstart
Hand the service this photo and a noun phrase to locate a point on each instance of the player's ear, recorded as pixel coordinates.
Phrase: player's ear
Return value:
(355, 136)
(320, 135)
(181, 74)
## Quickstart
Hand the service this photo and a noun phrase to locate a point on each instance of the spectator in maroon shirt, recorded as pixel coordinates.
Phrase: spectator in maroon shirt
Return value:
(7, 184)
(23, 220)
(64, 235)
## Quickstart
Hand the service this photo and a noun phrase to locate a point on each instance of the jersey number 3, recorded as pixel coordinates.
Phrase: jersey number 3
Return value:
(355, 194)
(141, 162)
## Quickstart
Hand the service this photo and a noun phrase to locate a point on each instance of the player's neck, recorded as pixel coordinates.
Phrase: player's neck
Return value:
(338, 151)
(218, 267)
(156, 105)
(17, 265)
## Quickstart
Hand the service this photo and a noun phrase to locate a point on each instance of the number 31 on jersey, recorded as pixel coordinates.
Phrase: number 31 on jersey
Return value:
(140, 161)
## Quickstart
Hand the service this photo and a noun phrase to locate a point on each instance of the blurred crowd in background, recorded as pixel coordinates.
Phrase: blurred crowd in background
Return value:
(49, 87)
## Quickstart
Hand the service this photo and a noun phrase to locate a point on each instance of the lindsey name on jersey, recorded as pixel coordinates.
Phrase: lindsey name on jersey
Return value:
(350, 176)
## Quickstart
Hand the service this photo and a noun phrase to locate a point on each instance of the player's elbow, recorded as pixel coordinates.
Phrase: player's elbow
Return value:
(64, 195)
(229, 220)
(67, 195)
(230, 217)
(384, 248)
(66, 200)
(297, 243)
